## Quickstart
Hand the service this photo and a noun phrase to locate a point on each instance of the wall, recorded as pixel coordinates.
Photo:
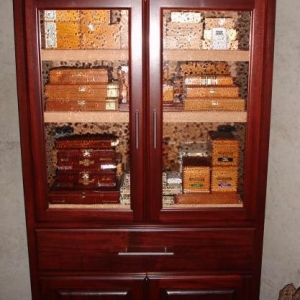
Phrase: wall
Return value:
(14, 274)
(281, 260)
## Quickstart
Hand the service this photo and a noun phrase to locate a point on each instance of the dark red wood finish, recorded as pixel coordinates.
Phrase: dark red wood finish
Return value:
(144, 252)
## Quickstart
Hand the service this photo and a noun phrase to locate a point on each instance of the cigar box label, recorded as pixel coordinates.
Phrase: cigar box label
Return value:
(225, 159)
(219, 39)
(111, 105)
(224, 184)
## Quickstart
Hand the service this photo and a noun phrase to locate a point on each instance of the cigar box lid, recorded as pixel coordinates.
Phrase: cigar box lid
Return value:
(195, 161)
(106, 137)
(216, 135)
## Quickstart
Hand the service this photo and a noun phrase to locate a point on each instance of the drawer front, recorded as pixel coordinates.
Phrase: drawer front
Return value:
(145, 250)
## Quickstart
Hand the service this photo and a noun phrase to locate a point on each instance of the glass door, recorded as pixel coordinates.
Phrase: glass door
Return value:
(91, 111)
(202, 103)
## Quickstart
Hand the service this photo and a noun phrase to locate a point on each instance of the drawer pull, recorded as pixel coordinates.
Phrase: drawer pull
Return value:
(146, 253)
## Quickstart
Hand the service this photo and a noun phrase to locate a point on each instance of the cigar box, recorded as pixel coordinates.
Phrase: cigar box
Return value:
(88, 141)
(224, 179)
(100, 36)
(61, 29)
(64, 195)
(78, 76)
(224, 149)
(87, 159)
(208, 79)
(82, 105)
(217, 104)
(212, 91)
(76, 92)
(227, 23)
(186, 17)
(88, 179)
(184, 29)
(97, 16)
(168, 92)
(196, 174)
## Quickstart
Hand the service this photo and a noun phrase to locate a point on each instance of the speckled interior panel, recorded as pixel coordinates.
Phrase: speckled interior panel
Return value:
(119, 129)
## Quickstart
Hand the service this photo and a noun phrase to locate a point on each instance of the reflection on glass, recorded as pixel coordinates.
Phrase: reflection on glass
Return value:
(204, 100)
(85, 71)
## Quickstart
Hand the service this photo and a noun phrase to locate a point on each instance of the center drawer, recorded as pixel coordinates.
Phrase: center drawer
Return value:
(145, 250)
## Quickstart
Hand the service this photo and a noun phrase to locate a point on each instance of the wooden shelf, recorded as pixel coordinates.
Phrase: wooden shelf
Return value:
(207, 55)
(123, 117)
(186, 55)
(86, 117)
(91, 206)
(84, 55)
(205, 116)
(202, 200)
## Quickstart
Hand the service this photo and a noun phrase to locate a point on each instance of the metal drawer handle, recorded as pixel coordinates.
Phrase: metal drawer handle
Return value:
(146, 253)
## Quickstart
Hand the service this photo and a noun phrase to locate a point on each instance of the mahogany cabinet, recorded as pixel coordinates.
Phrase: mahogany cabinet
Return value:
(144, 133)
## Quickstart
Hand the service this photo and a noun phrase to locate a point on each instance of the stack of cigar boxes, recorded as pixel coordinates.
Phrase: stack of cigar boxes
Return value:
(86, 170)
(183, 31)
(84, 29)
(220, 34)
(80, 89)
(224, 147)
(212, 92)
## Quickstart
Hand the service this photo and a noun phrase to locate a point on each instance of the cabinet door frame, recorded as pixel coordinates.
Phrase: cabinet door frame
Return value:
(32, 119)
(258, 115)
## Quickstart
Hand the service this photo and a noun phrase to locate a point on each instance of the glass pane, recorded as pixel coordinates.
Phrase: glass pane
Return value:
(85, 70)
(204, 99)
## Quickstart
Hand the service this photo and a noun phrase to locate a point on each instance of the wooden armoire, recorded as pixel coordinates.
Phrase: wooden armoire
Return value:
(144, 133)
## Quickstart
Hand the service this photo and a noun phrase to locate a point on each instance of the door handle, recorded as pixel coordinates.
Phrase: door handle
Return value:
(154, 128)
(137, 130)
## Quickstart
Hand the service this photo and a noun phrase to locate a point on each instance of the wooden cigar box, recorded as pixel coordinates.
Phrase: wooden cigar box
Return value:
(218, 104)
(97, 16)
(224, 179)
(212, 91)
(82, 105)
(87, 92)
(100, 36)
(87, 159)
(88, 141)
(185, 29)
(228, 23)
(78, 76)
(209, 80)
(64, 195)
(88, 179)
(196, 174)
(224, 148)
